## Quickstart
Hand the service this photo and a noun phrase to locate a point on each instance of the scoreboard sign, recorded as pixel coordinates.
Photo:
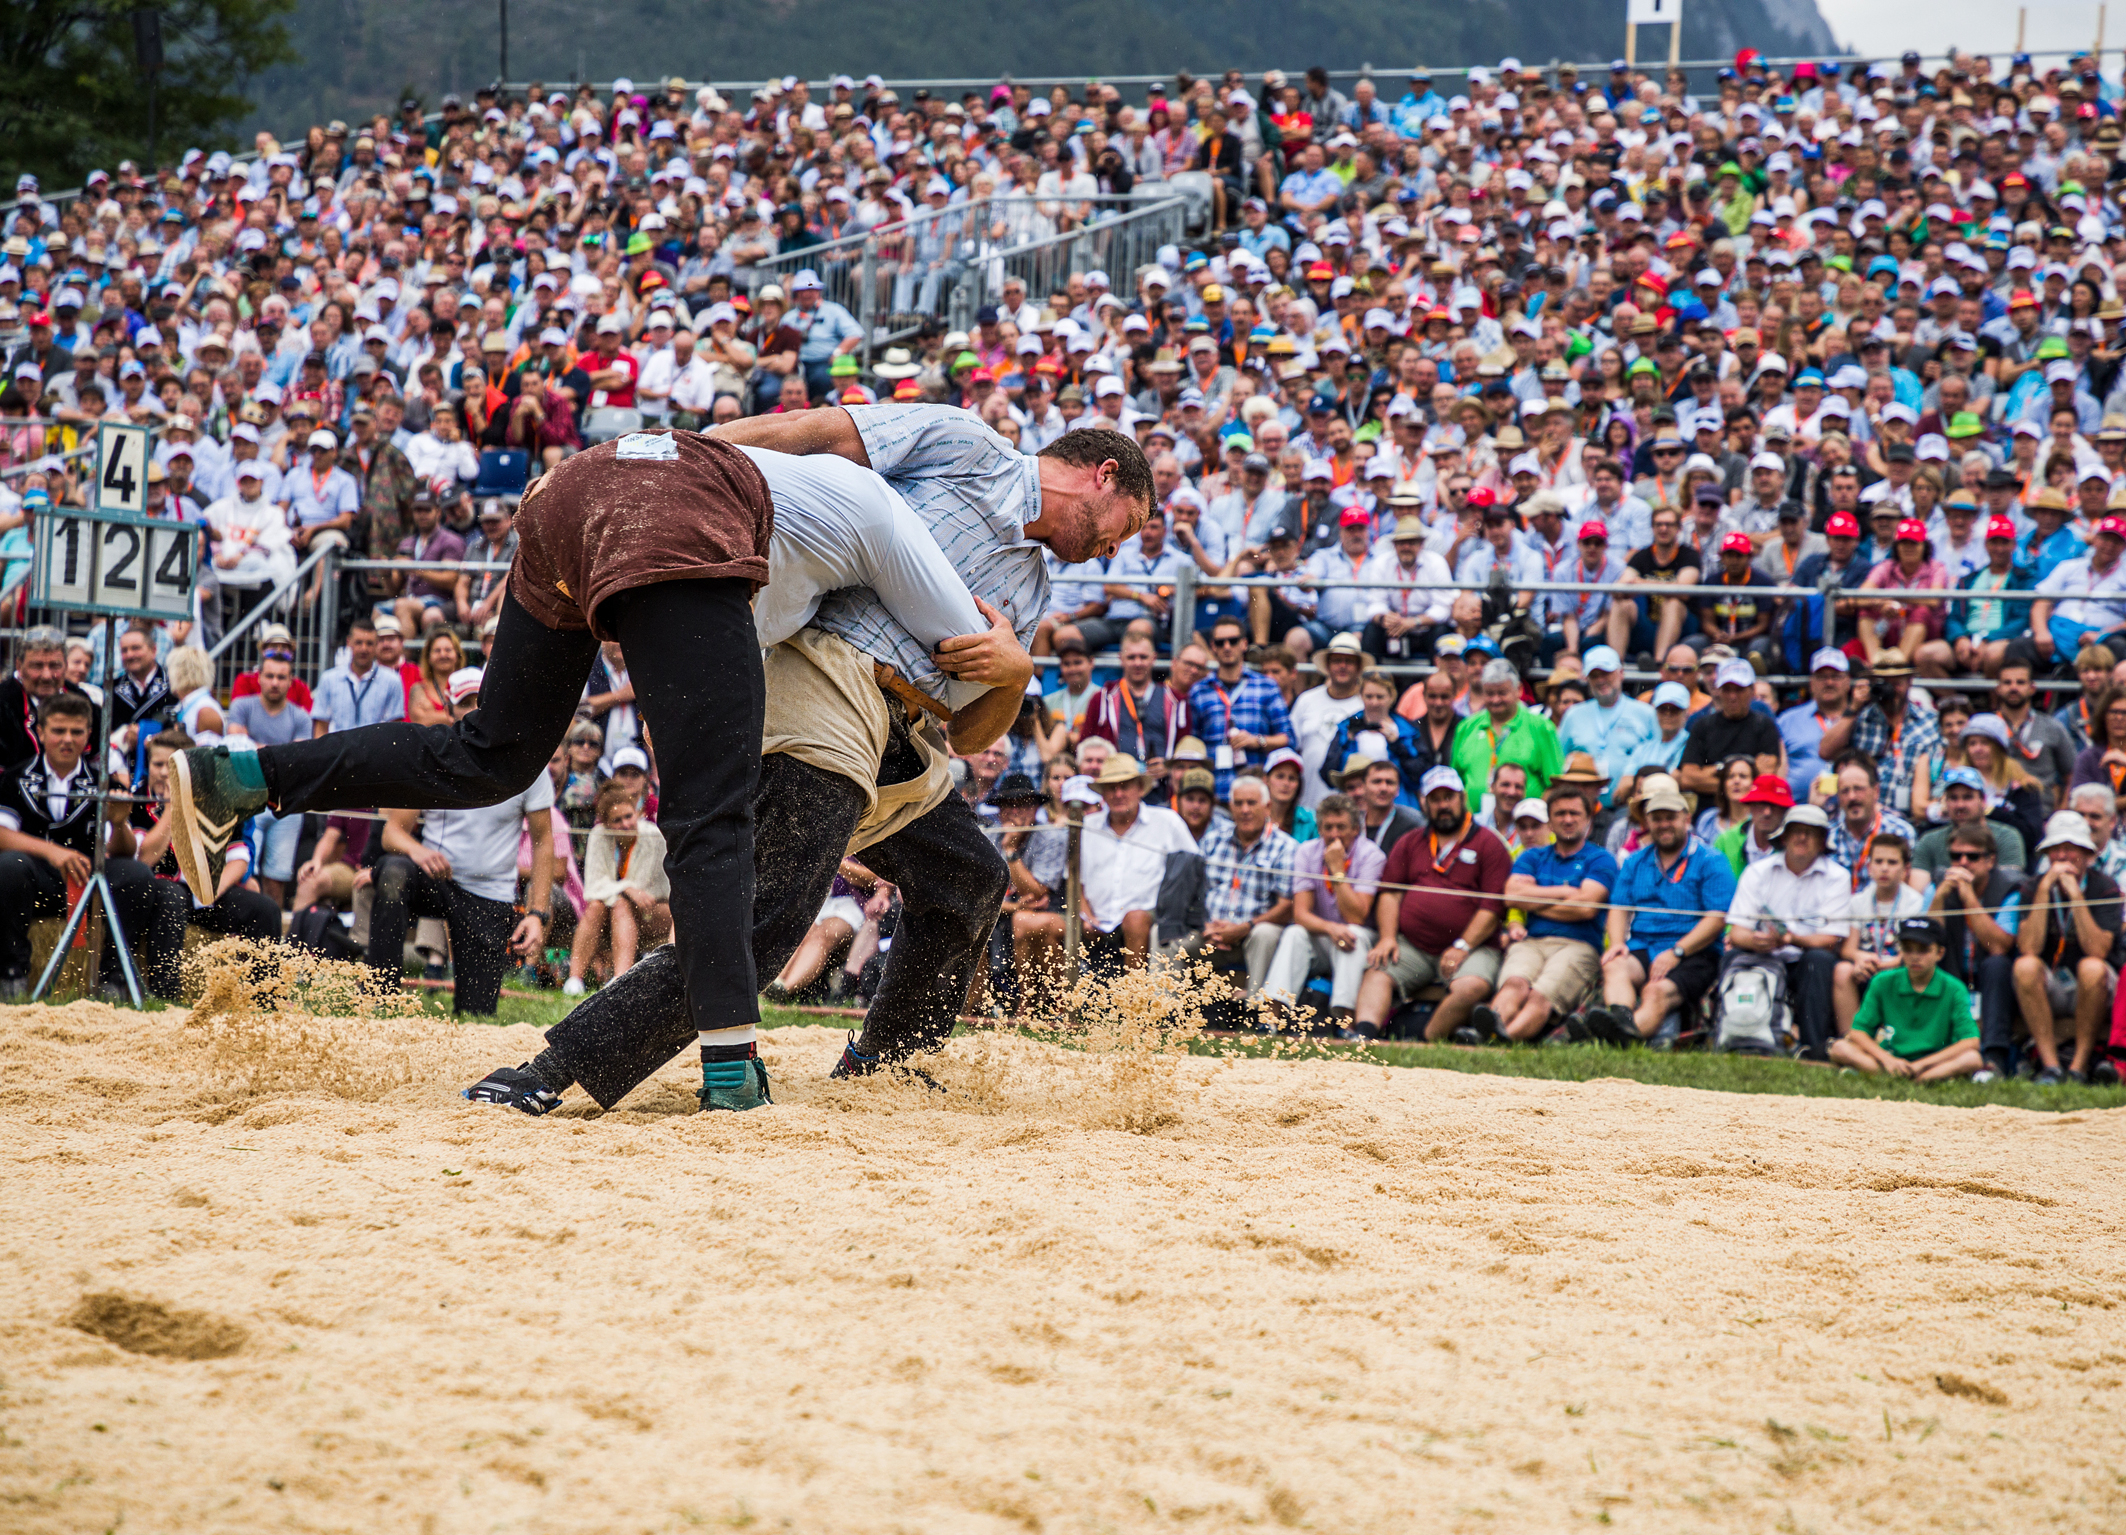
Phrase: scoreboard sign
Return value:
(115, 560)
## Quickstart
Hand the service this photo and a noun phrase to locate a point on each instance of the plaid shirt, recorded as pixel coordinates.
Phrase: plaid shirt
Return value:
(1918, 740)
(1254, 706)
(1852, 851)
(1241, 886)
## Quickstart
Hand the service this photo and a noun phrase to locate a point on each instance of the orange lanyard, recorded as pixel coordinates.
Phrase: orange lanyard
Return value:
(1439, 865)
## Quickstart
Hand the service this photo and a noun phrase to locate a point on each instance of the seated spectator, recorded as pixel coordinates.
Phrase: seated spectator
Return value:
(1739, 615)
(2068, 930)
(1552, 961)
(1665, 929)
(271, 717)
(1196, 802)
(1731, 728)
(1612, 729)
(1283, 774)
(1859, 818)
(1916, 1021)
(1335, 879)
(462, 868)
(1873, 916)
(1075, 689)
(1377, 788)
(1143, 718)
(1963, 801)
(1503, 731)
(1978, 903)
(2013, 794)
(48, 823)
(1247, 885)
(624, 889)
(1445, 933)
(1787, 912)
(428, 592)
(1387, 736)
(1124, 858)
(428, 689)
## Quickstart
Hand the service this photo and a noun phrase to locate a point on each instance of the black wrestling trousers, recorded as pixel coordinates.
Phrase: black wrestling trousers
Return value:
(952, 882)
(695, 662)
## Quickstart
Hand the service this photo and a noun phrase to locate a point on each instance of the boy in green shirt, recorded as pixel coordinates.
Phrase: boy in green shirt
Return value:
(1916, 1020)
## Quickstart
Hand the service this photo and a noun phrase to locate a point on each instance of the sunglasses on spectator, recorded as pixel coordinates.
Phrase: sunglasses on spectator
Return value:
(1230, 639)
(1966, 855)
(1667, 452)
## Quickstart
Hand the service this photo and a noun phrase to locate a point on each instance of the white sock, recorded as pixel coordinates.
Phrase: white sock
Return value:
(744, 1034)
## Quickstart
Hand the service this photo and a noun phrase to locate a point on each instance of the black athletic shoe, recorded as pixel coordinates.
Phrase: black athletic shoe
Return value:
(2105, 1073)
(515, 1087)
(1466, 1035)
(2053, 1076)
(1484, 1018)
(854, 1063)
(1579, 1029)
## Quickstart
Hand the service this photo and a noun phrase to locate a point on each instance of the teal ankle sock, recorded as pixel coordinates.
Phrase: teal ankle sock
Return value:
(249, 771)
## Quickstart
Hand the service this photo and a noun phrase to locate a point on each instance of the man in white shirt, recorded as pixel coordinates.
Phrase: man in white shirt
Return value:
(2085, 599)
(1123, 863)
(252, 547)
(1398, 619)
(1318, 711)
(462, 867)
(1790, 911)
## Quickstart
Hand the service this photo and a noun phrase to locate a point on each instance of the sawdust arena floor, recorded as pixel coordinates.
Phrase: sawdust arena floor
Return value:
(1298, 1294)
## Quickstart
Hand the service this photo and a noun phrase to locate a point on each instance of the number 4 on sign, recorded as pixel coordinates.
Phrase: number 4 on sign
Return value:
(122, 481)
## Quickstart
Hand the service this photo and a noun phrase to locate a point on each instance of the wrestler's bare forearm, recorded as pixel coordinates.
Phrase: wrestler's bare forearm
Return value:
(798, 431)
(982, 723)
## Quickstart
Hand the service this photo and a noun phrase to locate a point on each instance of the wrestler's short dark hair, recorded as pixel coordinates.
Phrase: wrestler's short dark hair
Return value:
(1090, 447)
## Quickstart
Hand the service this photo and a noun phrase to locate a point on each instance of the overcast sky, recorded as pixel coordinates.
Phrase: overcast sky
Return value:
(1981, 26)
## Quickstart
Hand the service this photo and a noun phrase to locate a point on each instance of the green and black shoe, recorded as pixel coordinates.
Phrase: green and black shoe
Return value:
(212, 790)
(737, 1085)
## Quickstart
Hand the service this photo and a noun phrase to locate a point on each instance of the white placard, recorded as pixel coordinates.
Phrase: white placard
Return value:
(171, 554)
(1652, 13)
(67, 546)
(121, 468)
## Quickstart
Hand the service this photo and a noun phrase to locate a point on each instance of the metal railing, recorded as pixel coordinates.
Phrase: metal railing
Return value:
(1117, 244)
(237, 650)
(948, 262)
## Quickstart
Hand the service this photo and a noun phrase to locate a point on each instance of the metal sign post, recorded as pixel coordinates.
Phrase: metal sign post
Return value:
(117, 562)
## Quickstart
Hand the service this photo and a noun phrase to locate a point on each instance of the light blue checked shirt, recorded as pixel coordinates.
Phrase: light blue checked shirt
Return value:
(1240, 886)
(976, 494)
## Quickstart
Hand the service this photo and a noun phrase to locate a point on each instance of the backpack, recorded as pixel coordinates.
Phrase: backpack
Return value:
(318, 928)
(1751, 1011)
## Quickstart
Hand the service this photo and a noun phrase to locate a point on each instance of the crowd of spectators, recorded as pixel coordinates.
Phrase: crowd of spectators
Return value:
(1805, 366)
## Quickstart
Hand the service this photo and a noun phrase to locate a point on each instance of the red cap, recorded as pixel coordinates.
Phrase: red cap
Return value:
(2022, 298)
(1355, 517)
(982, 376)
(37, 317)
(1770, 789)
(1594, 527)
(1842, 525)
(853, 395)
(2001, 527)
(2115, 526)
(1320, 271)
(907, 389)
(1737, 543)
(1912, 528)
(1483, 496)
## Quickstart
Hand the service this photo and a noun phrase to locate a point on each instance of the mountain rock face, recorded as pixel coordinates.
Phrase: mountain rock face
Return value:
(364, 58)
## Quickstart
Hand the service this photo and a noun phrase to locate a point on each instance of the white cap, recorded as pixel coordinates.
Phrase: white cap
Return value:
(1768, 461)
(1438, 778)
(1532, 809)
(631, 756)
(1736, 673)
(1830, 658)
(1602, 659)
(321, 439)
(464, 682)
(1078, 790)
